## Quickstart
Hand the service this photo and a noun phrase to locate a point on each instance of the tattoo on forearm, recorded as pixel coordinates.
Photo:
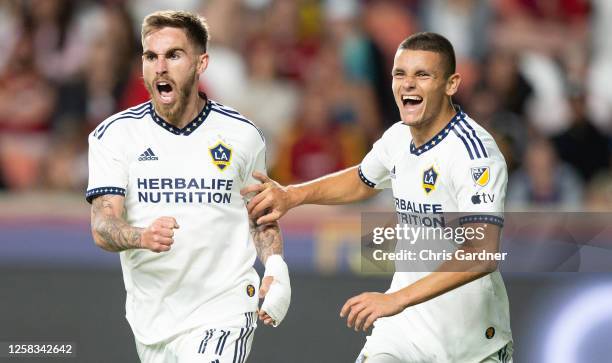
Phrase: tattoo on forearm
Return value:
(268, 240)
(116, 233)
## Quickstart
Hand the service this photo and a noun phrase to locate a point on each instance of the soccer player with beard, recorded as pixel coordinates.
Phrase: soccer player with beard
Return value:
(436, 160)
(164, 182)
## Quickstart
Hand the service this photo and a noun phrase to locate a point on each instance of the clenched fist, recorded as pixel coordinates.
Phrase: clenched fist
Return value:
(158, 237)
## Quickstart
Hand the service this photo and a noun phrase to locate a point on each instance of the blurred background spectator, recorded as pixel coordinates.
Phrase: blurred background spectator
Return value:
(315, 76)
(544, 180)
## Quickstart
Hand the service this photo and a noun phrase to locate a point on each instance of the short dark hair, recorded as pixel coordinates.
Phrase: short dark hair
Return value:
(195, 26)
(432, 42)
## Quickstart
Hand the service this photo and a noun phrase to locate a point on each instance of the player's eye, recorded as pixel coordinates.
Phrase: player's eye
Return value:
(423, 75)
(397, 75)
(174, 56)
(150, 57)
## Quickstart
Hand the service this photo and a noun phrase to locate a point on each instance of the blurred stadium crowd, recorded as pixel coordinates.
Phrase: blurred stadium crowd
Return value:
(315, 76)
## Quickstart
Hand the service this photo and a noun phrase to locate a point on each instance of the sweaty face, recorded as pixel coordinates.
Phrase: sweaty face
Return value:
(170, 70)
(419, 86)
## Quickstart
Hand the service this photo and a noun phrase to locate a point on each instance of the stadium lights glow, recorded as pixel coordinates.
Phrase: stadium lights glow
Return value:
(575, 321)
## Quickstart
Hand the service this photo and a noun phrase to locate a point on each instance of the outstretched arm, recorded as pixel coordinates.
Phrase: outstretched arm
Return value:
(338, 188)
(362, 310)
(112, 233)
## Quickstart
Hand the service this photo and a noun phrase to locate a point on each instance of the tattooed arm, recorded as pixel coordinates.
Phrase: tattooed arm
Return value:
(112, 233)
(268, 240)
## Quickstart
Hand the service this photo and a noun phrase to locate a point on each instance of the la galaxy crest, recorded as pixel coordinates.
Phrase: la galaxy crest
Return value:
(221, 155)
(430, 177)
(481, 175)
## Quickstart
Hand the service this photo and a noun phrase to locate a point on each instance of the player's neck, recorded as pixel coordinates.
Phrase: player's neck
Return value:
(424, 133)
(194, 105)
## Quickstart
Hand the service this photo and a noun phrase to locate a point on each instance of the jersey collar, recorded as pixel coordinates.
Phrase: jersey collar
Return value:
(190, 127)
(439, 136)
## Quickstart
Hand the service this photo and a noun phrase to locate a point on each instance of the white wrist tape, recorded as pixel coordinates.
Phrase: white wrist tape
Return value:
(276, 301)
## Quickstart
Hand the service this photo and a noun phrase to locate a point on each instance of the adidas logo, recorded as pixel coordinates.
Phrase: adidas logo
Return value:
(147, 155)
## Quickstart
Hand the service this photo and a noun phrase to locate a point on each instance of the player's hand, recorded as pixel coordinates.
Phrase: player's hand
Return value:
(275, 290)
(158, 237)
(266, 282)
(271, 202)
(363, 310)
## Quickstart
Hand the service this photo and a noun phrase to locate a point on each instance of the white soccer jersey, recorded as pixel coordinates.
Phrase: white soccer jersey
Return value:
(459, 170)
(195, 175)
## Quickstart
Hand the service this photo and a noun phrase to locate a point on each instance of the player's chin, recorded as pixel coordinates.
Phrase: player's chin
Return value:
(163, 106)
(411, 120)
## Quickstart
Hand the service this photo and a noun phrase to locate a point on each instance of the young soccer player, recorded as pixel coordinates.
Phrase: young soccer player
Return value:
(435, 159)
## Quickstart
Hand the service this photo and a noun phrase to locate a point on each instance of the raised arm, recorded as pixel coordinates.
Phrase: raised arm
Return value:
(338, 188)
(112, 233)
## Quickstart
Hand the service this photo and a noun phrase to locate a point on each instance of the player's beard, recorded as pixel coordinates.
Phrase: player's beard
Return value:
(172, 112)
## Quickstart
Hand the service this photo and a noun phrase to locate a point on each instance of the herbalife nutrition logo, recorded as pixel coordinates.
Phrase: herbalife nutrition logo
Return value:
(147, 155)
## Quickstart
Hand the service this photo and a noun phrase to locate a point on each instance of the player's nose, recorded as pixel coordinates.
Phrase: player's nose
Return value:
(161, 66)
(409, 82)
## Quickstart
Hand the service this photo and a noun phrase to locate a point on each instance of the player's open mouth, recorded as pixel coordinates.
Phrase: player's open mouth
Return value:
(411, 100)
(165, 90)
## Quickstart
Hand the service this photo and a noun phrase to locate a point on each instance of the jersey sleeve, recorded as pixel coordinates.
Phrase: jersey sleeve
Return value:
(256, 163)
(481, 189)
(107, 169)
(375, 167)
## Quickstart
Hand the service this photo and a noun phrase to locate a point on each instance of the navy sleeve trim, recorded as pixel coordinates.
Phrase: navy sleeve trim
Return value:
(92, 193)
(365, 180)
(482, 218)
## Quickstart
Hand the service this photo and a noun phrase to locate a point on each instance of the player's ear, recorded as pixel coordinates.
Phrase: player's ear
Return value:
(202, 62)
(452, 84)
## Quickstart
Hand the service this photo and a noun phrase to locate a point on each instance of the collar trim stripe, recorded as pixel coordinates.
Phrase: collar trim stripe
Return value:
(438, 137)
(189, 128)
